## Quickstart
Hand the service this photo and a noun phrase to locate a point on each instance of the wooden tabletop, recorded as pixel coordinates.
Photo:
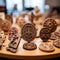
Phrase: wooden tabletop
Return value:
(26, 54)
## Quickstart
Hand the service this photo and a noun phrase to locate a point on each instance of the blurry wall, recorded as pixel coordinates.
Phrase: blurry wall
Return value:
(2, 3)
(53, 3)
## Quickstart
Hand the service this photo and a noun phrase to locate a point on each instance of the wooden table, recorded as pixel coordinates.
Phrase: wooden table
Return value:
(25, 54)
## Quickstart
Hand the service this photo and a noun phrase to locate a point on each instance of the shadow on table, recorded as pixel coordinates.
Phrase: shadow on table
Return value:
(58, 58)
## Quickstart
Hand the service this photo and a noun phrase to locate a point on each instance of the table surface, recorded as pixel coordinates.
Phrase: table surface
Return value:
(26, 54)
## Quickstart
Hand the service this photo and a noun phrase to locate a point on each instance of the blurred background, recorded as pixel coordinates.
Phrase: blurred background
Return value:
(7, 6)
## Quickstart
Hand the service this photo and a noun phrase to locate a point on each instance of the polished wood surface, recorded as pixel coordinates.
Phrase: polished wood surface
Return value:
(26, 54)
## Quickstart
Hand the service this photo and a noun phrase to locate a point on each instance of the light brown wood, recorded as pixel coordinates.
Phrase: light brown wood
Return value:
(26, 54)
